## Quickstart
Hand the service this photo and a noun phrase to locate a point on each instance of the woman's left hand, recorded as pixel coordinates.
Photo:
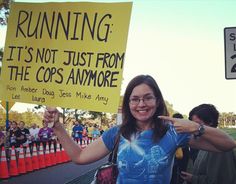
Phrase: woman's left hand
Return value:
(182, 125)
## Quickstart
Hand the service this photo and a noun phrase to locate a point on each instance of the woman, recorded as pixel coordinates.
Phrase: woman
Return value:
(45, 135)
(147, 143)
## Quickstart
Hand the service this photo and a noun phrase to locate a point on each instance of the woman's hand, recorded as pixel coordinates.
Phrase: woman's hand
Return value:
(51, 117)
(182, 125)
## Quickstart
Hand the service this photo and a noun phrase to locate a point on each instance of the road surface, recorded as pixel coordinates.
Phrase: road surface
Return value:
(59, 174)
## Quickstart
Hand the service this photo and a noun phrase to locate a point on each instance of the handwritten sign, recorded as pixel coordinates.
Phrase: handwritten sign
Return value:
(66, 54)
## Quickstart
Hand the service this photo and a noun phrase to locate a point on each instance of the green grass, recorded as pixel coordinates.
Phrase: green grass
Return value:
(230, 131)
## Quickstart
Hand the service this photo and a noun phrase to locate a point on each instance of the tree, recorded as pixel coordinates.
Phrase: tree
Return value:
(4, 14)
(170, 108)
(222, 119)
(1, 54)
(28, 117)
(4, 11)
(227, 119)
(105, 118)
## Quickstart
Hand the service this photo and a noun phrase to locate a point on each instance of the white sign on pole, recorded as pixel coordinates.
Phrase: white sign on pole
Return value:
(230, 52)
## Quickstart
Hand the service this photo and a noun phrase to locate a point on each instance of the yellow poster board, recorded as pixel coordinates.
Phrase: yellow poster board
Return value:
(66, 54)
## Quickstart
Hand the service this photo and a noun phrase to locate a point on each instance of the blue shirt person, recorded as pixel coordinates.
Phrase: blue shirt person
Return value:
(77, 132)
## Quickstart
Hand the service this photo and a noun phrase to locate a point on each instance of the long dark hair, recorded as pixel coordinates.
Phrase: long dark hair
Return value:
(128, 126)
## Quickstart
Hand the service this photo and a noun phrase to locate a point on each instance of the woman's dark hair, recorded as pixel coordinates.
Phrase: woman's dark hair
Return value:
(128, 126)
(207, 113)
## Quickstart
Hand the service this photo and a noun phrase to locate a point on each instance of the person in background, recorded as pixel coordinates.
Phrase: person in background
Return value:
(2, 139)
(181, 160)
(16, 137)
(148, 137)
(45, 134)
(85, 135)
(95, 132)
(90, 130)
(9, 126)
(77, 131)
(34, 131)
(24, 131)
(101, 130)
(7, 134)
(210, 167)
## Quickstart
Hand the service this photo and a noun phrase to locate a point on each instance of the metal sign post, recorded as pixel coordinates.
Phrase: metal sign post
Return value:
(7, 115)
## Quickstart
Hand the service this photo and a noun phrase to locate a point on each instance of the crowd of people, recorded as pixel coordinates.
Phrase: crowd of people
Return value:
(85, 134)
(17, 134)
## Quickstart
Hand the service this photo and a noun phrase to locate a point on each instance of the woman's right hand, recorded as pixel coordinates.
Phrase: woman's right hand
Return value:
(182, 125)
(51, 117)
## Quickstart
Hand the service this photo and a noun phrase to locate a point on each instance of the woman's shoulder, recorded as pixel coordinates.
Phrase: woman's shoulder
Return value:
(114, 129)
(109, 136)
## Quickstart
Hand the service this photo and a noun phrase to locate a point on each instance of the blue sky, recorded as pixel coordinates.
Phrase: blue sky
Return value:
(181, 44)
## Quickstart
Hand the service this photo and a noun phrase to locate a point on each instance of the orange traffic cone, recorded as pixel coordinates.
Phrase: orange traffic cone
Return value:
(41, 157)
(13, 166)
(58, 154)
(28, 161)
(3, 165)
(35, 160)
(47, 157)
(52, 155)
(21, 161)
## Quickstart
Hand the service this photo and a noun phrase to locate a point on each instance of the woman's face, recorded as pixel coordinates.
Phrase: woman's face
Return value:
(45, 124)
(143, 104)
(14, 125)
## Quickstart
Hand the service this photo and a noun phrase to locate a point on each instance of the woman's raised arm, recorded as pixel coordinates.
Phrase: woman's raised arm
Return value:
(93, 152)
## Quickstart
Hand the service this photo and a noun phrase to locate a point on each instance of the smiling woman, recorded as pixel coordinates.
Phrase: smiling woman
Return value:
(150, 138)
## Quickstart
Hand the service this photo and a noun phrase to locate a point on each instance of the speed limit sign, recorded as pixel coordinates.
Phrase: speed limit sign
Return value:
(230, 52)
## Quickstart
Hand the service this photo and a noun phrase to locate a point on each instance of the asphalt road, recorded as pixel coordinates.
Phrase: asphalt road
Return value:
(59, 174)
